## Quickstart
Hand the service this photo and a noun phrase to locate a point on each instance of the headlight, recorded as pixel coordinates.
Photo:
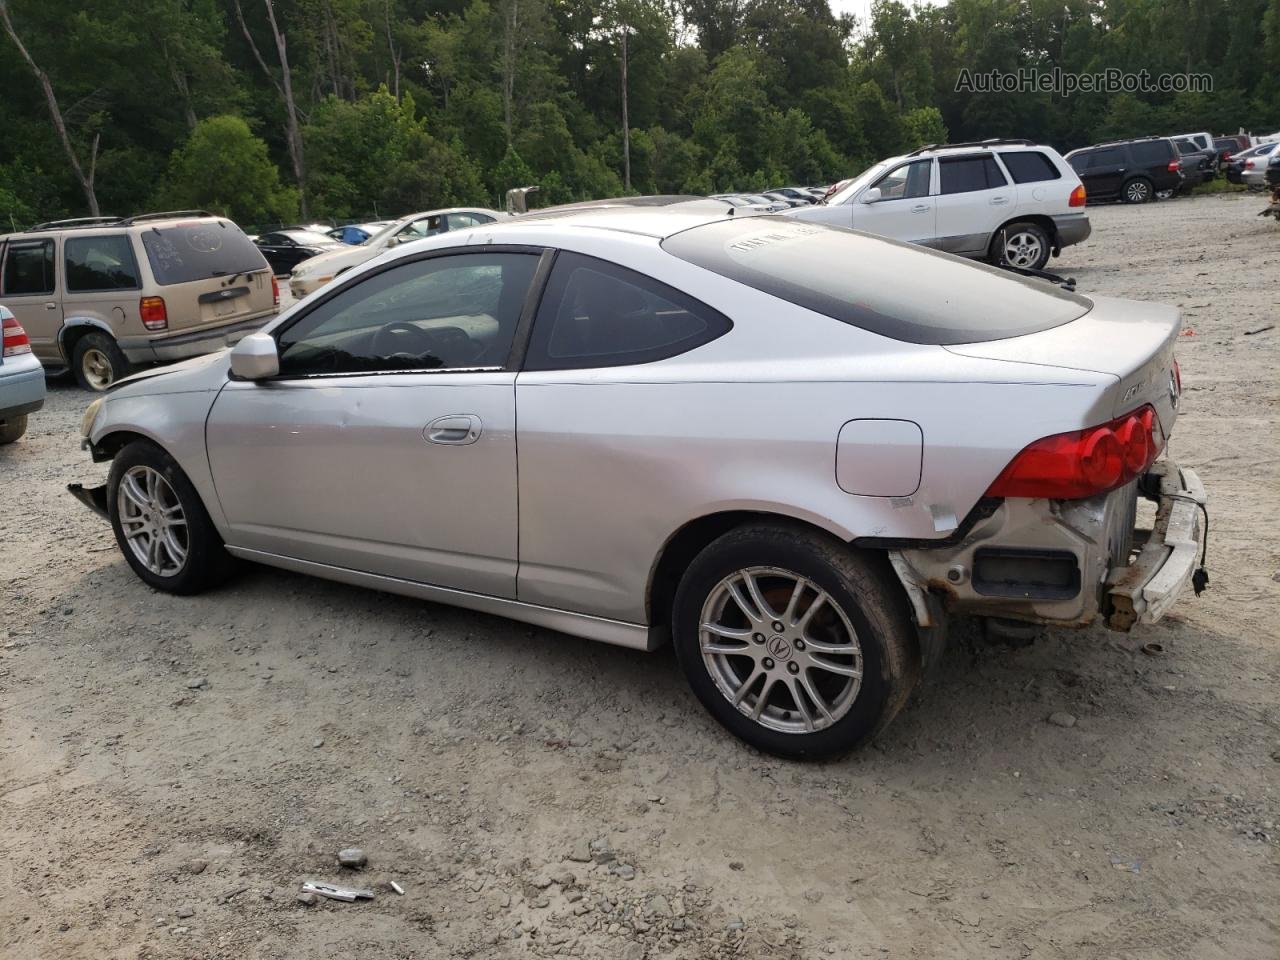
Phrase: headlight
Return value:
(90, 415)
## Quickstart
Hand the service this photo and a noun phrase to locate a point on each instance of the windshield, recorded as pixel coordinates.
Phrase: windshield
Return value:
(895, 289)
(860, 181)
(199, 250)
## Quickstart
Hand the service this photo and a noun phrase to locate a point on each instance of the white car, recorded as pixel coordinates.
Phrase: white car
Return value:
(1009, 201)
(310, 275)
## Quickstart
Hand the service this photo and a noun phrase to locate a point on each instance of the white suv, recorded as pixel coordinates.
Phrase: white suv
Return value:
(1009, 201)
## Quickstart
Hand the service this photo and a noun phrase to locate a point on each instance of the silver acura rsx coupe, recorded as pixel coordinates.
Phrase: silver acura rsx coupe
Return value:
(793, 449)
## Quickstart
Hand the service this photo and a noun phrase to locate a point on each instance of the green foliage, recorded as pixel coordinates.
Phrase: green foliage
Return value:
(413, 104)
(223, 167)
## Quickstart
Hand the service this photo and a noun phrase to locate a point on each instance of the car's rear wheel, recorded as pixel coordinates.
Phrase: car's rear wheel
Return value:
(160, 524)
(12, 429)
(1137, 190)
(794, 642)
(98, 362)
(1023, 245)
(1166, 194)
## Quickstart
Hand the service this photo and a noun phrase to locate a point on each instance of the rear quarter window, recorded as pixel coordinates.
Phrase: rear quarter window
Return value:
(1029, 166)
(183, 252)
(1152, 151)
(99, 264)
(894, 289)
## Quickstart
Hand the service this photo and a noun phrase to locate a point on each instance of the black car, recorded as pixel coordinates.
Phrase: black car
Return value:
(285, 249)
(1130, 170)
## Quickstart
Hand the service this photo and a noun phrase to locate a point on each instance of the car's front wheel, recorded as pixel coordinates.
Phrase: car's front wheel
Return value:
(1136, 190)
(797, 644)
(160, 524)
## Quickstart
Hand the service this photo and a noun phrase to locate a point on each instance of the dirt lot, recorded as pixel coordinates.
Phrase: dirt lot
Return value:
(481, 764)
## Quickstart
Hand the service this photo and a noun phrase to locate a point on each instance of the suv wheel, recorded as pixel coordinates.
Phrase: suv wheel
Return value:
(1137, 190)
(1023, 245)
(12, 429)
(98, 362)
(1166, 194)
(161, 526)
(793, 641)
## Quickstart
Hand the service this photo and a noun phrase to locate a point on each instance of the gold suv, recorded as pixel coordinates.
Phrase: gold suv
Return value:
(103, 294)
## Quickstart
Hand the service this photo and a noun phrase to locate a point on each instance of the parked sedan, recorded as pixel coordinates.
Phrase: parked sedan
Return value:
(1237, 163)
(794, 193)
(21, 379)
(285, 249)
(315, 273)
(636, 421)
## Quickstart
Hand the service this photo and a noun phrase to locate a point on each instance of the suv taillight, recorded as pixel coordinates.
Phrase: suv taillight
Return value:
(153, 313)
(14, 338)
(1174, 166)
(1078, 197)
(1248, 164)
(275, 291)
(1072, 466)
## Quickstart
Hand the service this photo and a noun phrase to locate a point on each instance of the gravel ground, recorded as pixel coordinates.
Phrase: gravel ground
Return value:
(171, 769)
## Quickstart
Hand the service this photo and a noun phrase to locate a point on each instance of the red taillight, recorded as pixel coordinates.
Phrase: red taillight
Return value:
(153, 313)
(1078, 197)
(275, 292)
(1174, 166)
(14, 338)
(1248, 164)
(1071, 466)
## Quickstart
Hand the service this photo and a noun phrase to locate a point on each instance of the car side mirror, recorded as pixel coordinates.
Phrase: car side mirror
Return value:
(871, 196)
(255, 357)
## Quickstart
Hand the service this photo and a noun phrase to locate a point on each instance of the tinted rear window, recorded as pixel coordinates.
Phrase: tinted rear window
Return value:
(1029, 166)
(1152, 151)
(967, 174)
(894, 289)
(199, 250)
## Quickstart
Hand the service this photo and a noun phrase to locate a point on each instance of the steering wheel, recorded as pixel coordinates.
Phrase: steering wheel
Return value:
(440, 342)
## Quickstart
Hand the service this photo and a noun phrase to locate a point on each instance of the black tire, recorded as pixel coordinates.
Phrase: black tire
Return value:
(1172, 192)
(12, 429)
(863, 588)
(98, 362)
(1136, 190)
(1036, 236)
(207, 562)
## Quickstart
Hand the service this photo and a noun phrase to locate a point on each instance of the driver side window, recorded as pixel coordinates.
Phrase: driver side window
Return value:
(442, 313)
(906, 182)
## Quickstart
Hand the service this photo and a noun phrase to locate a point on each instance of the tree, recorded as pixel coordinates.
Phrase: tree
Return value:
(223, 167)
(285, 87)
(55, 112)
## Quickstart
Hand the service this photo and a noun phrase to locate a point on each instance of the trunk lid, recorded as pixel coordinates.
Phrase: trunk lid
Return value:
(1132, 341)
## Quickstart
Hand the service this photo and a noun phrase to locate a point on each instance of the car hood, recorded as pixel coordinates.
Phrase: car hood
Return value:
(208, 372)
(343, 257)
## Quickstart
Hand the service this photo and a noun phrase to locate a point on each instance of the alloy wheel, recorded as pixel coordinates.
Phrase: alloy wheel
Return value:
(97, 369)
(1136, 192)
(780, 649)
(153, 521)
(1022, 249)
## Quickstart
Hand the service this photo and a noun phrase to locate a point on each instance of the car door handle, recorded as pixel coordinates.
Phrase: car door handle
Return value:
(999, 201)
(921, 208)
(455, 428)
(51, 306)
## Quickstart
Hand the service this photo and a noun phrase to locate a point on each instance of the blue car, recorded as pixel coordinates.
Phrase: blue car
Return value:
(21, 379)
(356, 233)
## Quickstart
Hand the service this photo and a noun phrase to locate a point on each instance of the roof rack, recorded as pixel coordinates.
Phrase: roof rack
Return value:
(993, 142)
(73, 224)
(165, 215)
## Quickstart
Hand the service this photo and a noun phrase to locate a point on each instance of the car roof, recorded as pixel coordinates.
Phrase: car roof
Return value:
(658, 217)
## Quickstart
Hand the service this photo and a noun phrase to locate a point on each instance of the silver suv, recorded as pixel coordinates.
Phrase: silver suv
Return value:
(103, 294)
(1006, 201)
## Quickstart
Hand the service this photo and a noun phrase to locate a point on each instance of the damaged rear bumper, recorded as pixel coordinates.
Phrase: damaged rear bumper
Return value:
(1142, 591)
(1065, 563)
